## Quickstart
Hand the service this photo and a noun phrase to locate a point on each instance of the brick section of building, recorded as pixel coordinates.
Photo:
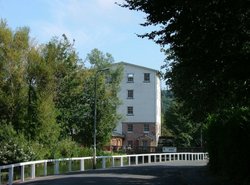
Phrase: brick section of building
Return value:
(142, 135)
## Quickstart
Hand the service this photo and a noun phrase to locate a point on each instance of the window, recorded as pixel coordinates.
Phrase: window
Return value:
(146, 127)
(130, 77)
(144, 143)
(130, 127)
(130, 144)
(130, 94)
(130, 110)
(146, 77)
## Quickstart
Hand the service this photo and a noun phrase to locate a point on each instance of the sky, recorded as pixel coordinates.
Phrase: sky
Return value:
(92, 24)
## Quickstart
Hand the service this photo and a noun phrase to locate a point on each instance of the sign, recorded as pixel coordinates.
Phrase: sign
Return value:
(169, 149)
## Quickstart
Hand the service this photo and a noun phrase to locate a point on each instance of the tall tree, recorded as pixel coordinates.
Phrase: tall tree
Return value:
(108, 85)
(26, 94)
(208, 49)
(13, 90)
(208, 69)
(63, 60)
(181, 126)
(41, 123)
(99, 60)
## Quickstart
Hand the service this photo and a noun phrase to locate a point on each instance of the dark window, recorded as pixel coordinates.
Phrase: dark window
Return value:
(130, 94)
(130, 77)
(146, 77)
(130, 127)
(130, 144)
(144, 143)
(146, 127)
(130, 110)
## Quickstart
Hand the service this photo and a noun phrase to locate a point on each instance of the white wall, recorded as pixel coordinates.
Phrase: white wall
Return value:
(147, 96)
(158, 108)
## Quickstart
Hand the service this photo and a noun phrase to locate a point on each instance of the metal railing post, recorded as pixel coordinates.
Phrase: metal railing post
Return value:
(45, 168)
(121, 161)
(113, 161)
(103, 162)
(82, 165)
(129, 160)
(11, 174)
(70, 165)
(56, 168)
(22, 173)
(33, 171)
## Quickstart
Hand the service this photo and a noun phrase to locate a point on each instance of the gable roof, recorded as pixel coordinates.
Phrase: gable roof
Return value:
(134, 65)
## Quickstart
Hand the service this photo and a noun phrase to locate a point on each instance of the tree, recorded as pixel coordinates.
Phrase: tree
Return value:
(208, 50)
(99, 60)
(47, 97)
(176, 123)
(166, 98)
(67, 85)
(13, 89)
(207, 66)
(41, 123)
(107, 95)
(228, 136)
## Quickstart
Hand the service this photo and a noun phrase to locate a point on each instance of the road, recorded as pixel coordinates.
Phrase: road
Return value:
(169, 173)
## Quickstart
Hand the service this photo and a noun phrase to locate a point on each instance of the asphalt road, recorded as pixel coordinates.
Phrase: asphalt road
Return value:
(170, 173)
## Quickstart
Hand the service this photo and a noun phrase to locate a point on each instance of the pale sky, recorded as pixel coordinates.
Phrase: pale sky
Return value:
(93, 24)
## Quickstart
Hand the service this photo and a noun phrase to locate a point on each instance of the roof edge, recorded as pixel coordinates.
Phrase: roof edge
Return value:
(147, 68)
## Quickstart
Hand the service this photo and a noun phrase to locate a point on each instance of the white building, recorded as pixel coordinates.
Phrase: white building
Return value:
(140, 94)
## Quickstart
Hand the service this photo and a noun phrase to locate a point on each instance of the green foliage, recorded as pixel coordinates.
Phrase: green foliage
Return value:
(14, 147)
(177, 122)
(228, 140)
(47, 98)
(13, 47)
(207, 66)
(26, 90)
(166, 98)
(67, 148)
(107, 83)
(207, 47)
(180, 125)
(99, 60)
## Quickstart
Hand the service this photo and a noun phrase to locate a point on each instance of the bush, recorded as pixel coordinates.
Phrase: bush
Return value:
(14, 147)
(67, 148)
(228, 141)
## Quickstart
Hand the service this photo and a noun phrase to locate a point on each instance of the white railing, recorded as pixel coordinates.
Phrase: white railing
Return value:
(113, 161)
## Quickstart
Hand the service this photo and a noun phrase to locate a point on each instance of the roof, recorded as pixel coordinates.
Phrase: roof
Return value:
(134, 65)
(116, 134)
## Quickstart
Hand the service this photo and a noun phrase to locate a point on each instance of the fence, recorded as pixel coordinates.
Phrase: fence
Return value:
(122, 160)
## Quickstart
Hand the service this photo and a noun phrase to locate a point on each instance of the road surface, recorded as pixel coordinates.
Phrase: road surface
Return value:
(169, 173)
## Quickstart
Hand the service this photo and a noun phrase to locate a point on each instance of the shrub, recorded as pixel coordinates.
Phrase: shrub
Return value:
(14, 147)
(228, 141)
(67, 148)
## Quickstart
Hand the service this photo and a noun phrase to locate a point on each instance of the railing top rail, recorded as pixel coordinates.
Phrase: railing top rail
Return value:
(41, 161)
